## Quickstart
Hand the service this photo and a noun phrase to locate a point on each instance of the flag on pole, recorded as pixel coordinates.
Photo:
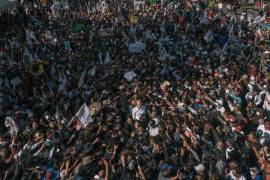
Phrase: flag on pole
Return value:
(163, 54)
(83, 115)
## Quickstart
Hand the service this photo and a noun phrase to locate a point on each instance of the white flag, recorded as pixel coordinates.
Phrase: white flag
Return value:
(83, 115)
(107, 59)
(92, 71)
(62, 86)
(26, 52)
(100, 58)
(163, 54)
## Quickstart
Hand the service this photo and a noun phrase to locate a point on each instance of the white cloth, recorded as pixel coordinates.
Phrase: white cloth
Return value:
(163, 55)
(138, 112)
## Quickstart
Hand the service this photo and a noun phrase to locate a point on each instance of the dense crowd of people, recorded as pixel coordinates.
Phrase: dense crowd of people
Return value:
(192, 103)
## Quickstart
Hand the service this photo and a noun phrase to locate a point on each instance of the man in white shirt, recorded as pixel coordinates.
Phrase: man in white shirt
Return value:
(235, 174)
